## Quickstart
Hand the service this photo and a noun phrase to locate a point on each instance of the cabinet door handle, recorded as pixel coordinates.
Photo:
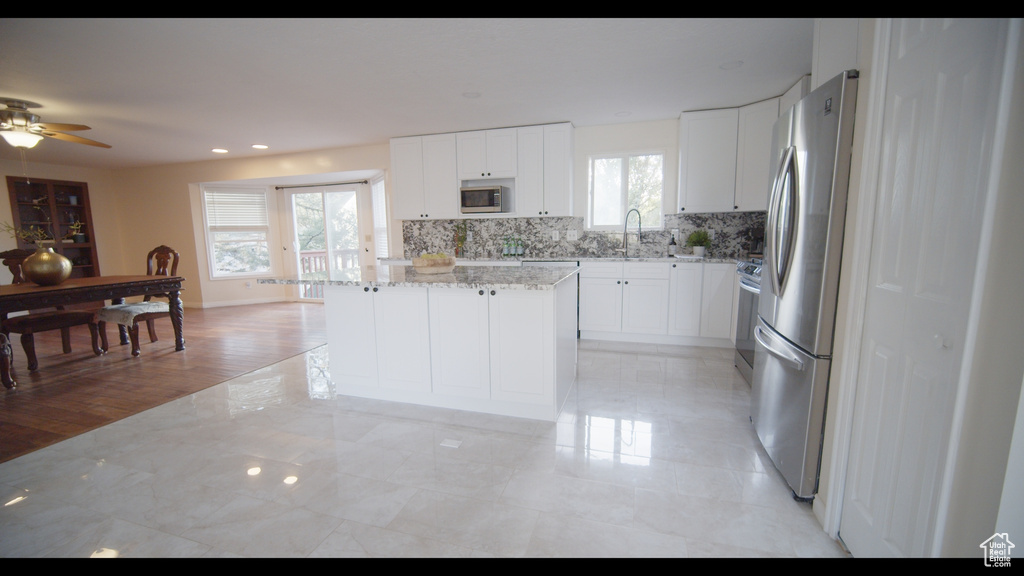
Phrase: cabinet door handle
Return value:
(366, 289)
(481, 292)
(626, 282)
(492, 292)
(374, 288)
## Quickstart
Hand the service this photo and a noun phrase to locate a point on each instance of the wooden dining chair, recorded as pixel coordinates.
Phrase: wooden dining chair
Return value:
(162, 261)
(41, 321)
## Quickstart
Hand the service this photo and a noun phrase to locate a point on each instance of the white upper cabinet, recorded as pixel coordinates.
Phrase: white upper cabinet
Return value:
(724, 157)
(544, 180)
(707, 160)
(753, 154)
(795, 94)
(486, 154)
(423, 177)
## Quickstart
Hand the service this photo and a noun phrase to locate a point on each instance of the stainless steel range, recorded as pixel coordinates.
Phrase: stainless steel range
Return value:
(746, 317)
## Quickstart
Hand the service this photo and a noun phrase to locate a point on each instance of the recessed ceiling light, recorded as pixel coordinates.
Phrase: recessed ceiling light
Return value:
(470, 94)
(731, 65)
(623, 114)
(219, 151)
(260, 146)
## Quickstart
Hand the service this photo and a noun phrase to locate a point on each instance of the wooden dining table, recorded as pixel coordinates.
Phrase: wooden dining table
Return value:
(76, 291)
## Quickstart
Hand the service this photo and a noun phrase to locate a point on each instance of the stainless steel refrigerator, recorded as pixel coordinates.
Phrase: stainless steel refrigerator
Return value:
(812, 143)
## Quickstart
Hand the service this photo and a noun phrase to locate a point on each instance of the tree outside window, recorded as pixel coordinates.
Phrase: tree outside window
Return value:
(622, 182)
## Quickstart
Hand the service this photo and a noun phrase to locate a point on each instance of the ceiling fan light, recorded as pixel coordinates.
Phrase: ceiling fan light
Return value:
(20, 139)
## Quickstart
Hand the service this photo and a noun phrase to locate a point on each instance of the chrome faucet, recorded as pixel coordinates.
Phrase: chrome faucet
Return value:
(625, 237)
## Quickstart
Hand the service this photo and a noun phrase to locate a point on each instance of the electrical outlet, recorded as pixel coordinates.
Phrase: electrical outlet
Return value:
(711, 234)
(554, 235)
(570, 235)
(469, 236)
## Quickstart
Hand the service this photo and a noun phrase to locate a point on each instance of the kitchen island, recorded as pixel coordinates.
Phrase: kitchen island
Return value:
(500, 340)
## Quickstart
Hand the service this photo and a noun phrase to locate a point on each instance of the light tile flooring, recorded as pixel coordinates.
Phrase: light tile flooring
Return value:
(653, 456)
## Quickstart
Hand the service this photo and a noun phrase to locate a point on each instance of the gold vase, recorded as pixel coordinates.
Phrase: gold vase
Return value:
(45, 267)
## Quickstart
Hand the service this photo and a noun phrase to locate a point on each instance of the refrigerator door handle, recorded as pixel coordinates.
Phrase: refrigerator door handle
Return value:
(781, 221)
(784, 355)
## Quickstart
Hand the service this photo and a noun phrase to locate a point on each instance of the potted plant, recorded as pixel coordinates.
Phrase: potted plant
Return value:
(461, 229)
(75, 232)
(699, 240)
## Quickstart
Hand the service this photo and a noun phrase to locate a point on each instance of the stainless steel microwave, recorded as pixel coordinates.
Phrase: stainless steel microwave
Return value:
(481, 199)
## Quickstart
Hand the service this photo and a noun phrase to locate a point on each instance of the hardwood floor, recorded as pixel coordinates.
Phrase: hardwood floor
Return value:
(73, 393)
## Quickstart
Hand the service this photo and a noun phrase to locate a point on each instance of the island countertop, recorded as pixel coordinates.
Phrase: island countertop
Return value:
(477, 277)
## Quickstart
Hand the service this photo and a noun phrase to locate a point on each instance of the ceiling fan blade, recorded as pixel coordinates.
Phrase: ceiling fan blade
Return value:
(76, 139)
(61, 127)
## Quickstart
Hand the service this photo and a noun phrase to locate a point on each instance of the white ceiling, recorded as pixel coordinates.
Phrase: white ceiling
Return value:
(164, 91)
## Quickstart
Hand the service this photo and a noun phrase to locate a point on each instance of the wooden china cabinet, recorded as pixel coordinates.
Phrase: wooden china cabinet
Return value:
(53, 205)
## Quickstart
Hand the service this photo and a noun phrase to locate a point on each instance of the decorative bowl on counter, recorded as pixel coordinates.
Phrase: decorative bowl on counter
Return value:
(433, 265)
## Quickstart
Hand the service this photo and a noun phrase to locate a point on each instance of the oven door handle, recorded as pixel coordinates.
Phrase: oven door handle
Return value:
(749, 286)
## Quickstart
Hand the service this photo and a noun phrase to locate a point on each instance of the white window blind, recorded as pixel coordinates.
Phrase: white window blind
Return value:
(236, 208)
(237, 231)
(380, 218)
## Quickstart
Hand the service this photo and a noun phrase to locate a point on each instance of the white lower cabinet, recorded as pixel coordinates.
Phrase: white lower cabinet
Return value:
(686, 286)
(645, 298)
(659, 302)
(351, 336)
(460, 356)
(718, 300)
(624, 297)
(510, 352)
(381, 335)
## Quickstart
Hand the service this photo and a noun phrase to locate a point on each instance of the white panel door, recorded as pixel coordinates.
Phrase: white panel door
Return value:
(939, 109)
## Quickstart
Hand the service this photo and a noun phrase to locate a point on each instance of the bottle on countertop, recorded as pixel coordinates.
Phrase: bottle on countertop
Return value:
(673, 248)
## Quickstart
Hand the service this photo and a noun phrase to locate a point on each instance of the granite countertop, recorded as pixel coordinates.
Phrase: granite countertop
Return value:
(517, 261)
(477, 277)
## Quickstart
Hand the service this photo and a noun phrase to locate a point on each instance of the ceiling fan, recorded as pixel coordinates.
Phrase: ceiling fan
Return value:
(22, 129)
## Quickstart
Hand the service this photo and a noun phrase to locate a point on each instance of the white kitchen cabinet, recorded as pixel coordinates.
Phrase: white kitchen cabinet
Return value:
(685, 288)
(601, 296)
(645, 298)
(424, 180)
(407, 178)
(484, 154)
(626, 297)
(544, 164)
(707, 160)
(460, 342)
(402, 338)
(520, 328)
(795, 93)
(348, 311)
(753, 154)
(558, 158)
(718, 300)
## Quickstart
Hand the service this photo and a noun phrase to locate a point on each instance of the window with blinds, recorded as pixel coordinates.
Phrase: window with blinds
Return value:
(237, 231)
(380, 218)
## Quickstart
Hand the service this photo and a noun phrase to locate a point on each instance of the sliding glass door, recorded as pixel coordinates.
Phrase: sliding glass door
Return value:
(326, 235)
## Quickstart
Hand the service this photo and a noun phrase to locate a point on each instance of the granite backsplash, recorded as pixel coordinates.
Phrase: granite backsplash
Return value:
(735, 235)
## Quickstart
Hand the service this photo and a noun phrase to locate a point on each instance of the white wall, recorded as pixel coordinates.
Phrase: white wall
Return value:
(657, 136)
(165, 208)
